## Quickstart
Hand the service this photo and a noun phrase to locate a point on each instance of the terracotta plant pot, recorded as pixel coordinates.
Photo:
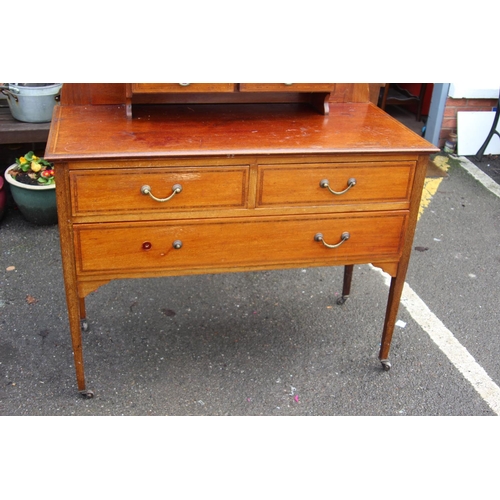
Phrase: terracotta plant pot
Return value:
(36, 203)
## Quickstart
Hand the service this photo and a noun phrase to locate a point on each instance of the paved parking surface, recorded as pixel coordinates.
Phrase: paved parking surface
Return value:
(267, 343)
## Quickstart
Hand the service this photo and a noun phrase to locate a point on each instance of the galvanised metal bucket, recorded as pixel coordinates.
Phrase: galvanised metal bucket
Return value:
(32, 102)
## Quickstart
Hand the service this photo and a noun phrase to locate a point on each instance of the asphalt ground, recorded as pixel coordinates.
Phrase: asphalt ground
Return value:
(259, 343)
(489, 164)
(273, 344)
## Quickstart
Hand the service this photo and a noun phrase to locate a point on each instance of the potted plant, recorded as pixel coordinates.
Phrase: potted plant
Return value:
(32, 185)
(3, 199)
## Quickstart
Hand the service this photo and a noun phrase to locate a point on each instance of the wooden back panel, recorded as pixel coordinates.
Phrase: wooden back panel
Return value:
(85, 94)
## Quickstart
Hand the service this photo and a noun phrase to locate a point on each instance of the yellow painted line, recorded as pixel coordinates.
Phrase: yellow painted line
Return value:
(430, 189)
(431, 184)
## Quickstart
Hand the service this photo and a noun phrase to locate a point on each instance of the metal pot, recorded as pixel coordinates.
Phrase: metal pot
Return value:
(32, 102)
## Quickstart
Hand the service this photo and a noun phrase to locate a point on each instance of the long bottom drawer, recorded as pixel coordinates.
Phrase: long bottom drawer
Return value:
(212, 244)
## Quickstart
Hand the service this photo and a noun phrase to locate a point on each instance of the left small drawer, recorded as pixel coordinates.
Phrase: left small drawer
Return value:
(152, 88)
(133, 190)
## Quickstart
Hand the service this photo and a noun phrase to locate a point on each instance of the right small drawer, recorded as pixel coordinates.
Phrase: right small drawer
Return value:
(331, 184)
(287, 87)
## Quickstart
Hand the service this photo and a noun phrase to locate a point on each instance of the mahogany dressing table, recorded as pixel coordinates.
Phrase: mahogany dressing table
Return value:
(173, 179)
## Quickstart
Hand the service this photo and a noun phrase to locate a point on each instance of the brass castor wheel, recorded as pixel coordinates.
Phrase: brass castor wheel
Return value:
(386, 365)
(84, 325)
(342, 300)
(87, 394)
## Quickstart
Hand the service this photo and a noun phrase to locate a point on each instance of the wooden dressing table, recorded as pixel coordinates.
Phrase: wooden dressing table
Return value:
(172, 179)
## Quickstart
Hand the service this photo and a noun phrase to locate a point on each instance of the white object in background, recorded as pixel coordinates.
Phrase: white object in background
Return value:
(484, 90)
(473, 128)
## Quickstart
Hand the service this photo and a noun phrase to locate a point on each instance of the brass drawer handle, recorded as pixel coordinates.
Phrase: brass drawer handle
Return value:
(184, 84)
(319, 237)
(146, 190)
(177, 244)
(350, 183)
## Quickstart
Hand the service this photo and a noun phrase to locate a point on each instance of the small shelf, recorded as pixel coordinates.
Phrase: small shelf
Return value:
(393, 94)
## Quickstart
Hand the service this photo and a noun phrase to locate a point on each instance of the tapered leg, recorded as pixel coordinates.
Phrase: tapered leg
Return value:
(395, 292)
(76, 304)
(83, 316)
(83, 313)
(399, 274)
(76, 341)
(346, 287)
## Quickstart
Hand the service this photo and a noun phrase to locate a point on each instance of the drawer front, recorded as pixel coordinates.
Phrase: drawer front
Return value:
(354, 183)
(287, 87)
(120, 191)
(228, 244)
(154, 88)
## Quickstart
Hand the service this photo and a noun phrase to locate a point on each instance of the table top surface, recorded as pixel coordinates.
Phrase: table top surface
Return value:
(103, 131)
